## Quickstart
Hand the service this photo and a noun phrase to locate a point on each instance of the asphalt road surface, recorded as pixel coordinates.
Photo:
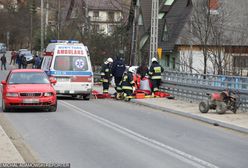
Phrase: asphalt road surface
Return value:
(116, 134)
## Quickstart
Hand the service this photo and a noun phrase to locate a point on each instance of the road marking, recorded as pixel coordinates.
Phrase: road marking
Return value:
(180, 155)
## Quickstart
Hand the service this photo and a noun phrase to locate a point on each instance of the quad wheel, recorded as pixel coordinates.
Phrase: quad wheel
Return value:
(204, 107)
(221, 108)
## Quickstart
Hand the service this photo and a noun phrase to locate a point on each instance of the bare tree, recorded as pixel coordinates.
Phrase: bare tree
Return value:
(201, 27)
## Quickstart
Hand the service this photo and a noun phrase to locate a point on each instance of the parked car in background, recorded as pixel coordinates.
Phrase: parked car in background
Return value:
(27, 54)
(28, 88)
(2, 48)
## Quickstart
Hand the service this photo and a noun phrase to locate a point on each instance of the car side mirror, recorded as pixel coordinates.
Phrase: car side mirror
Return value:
(4, 82)
(53, 81)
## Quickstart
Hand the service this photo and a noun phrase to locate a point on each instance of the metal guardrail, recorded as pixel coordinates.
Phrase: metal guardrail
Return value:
(194, 87)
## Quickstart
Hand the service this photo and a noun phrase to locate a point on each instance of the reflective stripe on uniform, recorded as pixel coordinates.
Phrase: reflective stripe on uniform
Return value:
(105, 80)
(118, 88)
(150, 73)
(127, 88)
(155, 89)
(157, 69)
(132, 82)
(105, 91)
(156, 77)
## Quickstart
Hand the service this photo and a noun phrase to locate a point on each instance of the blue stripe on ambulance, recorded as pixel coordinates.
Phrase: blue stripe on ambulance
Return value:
(70, 73)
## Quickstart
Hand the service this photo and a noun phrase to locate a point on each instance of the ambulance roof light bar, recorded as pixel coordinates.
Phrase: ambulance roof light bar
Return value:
(64, 41)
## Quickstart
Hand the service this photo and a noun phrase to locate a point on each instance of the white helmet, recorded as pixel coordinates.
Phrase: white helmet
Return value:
(131, 69)
(154, 59)
(110, 60)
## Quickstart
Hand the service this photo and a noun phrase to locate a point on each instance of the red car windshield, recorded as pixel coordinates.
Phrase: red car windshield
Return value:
(28, 78)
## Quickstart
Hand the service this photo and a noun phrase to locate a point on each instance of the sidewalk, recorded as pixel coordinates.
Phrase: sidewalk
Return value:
(8, 152)
(238, 122)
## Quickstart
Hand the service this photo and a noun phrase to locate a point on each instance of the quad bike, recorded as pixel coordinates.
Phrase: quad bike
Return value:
(221, 102)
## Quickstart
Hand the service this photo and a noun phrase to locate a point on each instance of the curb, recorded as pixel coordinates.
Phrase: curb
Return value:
(12, 155)
(193, 116)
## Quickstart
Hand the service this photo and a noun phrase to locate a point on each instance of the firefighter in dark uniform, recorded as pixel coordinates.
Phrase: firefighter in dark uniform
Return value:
(106, 75)
(127, 84)
(155, 74)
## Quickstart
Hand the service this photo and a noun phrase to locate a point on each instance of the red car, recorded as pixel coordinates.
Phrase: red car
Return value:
(28, 88)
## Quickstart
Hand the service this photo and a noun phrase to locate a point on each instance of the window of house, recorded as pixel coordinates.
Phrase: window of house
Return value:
(111, 16)
(140, 20)
(95, 13)
(168, 2)
(161, 15)
(174, 63)
(143, 41)
(165, 36)
(96, 28)
(167, 60)
(240, 61)
(111, 29)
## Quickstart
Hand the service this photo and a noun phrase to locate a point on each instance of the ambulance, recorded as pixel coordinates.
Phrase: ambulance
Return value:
(69, 63)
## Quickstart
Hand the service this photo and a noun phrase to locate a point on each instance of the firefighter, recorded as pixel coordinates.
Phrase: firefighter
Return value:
(127, 84)
(106, 75)
(155, 74)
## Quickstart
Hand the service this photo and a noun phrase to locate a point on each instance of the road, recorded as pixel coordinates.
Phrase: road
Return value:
(115, 134)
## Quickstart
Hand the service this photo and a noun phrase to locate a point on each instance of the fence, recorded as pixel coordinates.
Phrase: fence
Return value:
(195, 86)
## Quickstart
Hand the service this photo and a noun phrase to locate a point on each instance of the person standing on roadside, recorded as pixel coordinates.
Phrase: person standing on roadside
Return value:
(118, 69)
(155, 74)
(18, 60)
(106, 75)
(13, 57)
(3, 62)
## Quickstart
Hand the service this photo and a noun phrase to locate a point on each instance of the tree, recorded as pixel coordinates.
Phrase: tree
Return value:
(201, 27)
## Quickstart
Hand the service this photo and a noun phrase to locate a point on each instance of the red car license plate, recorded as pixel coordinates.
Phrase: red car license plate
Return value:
(28, 101)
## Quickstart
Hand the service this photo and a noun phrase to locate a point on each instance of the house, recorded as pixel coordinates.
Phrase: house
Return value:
(101, 16)
(199, 36)
(171, 19)
(225, 43)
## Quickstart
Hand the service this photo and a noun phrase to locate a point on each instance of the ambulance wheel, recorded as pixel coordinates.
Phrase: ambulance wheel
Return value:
(86, 97)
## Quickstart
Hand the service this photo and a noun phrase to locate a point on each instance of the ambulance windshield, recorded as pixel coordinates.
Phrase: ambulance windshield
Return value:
(71, 63)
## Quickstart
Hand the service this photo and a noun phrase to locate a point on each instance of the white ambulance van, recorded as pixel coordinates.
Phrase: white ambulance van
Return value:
(69, 63)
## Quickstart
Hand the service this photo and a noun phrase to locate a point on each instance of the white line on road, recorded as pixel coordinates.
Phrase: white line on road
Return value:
(180, 155)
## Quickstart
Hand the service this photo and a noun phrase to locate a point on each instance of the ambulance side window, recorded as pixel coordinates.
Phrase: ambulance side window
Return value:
(46, 63)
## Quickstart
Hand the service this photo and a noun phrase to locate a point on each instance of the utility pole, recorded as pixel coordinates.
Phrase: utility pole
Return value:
(31, 30)
(42, 26)
(47, 13)
(134, 44)
(32, 11)
(58, 20)
(154, 30)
